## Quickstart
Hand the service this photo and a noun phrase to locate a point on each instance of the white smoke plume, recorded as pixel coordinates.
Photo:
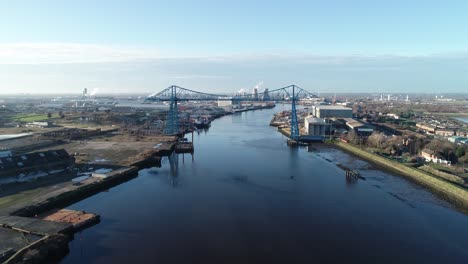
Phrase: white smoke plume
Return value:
(94, 92)
(260, 84)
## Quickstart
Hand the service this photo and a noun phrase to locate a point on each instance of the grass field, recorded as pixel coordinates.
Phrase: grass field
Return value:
(16, 198)
(31, 117)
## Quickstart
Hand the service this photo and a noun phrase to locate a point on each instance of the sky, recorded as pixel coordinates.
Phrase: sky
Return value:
(224, 46)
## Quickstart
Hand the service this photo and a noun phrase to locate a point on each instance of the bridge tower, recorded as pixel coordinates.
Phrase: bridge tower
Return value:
(172, 123)
(294, 123)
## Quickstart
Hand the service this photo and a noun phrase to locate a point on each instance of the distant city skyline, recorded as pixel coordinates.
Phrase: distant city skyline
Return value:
(214, 46)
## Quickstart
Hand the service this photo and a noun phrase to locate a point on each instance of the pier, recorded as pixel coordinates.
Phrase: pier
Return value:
(352, 175)
(26, 238)
(78, 219)
(184, 147)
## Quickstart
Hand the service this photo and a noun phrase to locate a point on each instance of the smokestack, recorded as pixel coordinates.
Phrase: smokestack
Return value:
(85, 93)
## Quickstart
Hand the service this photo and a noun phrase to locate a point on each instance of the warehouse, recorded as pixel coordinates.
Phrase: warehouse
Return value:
(362, 129)
(314, 126)
(330, 111)
(39, 161)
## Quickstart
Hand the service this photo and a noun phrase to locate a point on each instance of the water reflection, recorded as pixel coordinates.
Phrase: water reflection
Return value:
(172, 162)
(251, 199)
(202, 130)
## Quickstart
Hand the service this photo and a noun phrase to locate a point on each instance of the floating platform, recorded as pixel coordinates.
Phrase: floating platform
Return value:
(78, 219)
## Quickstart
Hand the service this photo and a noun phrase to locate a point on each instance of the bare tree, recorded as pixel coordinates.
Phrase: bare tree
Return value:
(353, 137)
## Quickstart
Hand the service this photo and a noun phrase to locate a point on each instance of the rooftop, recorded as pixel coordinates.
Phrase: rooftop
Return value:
(332, 107)
(354, 124)
(314, 120)
(33, 159)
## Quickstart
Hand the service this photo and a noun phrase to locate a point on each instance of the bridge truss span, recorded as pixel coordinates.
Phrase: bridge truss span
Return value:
(175, 94)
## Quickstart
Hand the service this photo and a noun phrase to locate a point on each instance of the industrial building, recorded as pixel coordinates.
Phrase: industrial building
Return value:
(39, 161)
(72, 133)
(362, 129)
(330, 111)
(225, 104)
(42, 124)
(314, 126)
(458, 140)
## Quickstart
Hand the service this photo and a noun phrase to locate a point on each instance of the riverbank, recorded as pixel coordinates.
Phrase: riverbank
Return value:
(245, 184)
(14, 213)
(112, 152)
(446, 190)
(21, 220)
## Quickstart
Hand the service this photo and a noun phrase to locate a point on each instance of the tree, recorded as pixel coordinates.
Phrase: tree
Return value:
(463, 159)
(49, 115)
(61, 115)
(353, 137)
(460, 151)
(376, 140)
(418, 145)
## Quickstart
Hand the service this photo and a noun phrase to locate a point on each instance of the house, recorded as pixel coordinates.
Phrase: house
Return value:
(444, 132)
(426, 128)
(432, 156)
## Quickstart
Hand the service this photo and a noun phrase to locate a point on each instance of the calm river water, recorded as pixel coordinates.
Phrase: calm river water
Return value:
(246, 197)
(463, 119)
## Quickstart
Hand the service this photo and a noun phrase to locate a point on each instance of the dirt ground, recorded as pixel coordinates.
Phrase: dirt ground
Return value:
(111, 148)
(114, 149)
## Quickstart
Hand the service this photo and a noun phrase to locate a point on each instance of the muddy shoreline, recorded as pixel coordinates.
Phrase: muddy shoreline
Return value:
(449, 192)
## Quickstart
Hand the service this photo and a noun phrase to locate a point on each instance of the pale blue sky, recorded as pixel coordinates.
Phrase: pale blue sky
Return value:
(143, 46)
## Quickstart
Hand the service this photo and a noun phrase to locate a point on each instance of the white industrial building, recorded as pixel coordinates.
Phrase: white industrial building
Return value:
(225, 104)
(314, 126)
(329, 111)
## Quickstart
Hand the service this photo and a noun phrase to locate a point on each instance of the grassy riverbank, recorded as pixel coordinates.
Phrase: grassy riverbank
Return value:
(449, 191)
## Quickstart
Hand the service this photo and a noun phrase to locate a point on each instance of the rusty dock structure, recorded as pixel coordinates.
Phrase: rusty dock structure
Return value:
(352, 175)
(184, 147)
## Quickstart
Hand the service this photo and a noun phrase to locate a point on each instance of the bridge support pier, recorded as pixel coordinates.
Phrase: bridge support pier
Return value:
(172, 124)
(294, 123)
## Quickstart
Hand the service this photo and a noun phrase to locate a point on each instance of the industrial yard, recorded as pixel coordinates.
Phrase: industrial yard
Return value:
(53, 154)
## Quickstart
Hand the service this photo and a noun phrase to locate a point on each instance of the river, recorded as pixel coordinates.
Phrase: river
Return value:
(463, 119)
(246, 197)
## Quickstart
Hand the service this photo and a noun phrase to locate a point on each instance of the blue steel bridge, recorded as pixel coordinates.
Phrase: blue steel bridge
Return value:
(175, 94)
